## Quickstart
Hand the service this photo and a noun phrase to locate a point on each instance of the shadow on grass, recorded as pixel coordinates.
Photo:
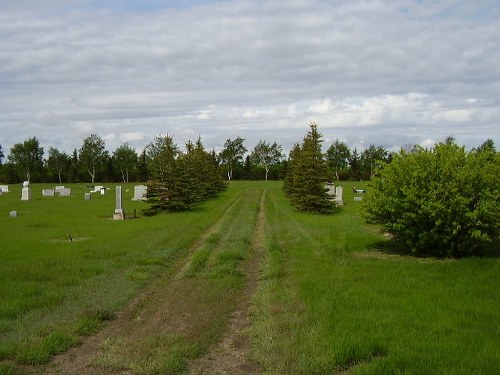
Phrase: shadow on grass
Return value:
(394, 247)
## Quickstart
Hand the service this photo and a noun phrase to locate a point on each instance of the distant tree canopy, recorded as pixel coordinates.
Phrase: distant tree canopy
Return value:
(442, 201)
(93, 154)
(266, 155)
(233, 153)
(307, 174)
(27, 157)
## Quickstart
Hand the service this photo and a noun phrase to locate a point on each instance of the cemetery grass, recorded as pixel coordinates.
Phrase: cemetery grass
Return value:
(334, 296)
(66, 268)
(331, 296)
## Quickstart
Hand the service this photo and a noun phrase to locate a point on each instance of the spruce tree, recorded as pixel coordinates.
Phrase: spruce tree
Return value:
(307, 174)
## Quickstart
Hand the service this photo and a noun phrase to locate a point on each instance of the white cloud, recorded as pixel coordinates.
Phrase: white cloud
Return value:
(393, 72)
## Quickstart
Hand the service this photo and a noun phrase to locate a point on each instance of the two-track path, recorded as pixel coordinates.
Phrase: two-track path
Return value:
(156, 310)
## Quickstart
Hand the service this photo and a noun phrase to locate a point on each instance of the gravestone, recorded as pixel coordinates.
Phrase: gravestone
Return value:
(330, 190)
(103, 190)
(339, 192)
(358, 199)
(26, 191)
(119, 213)
(88, 196)
(48, 192)
(4, 188)
(58, 189)
(66, 192)
(13, 213)
(140, 192)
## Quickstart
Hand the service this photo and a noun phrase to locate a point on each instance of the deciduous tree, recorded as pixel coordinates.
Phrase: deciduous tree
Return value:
(27, 157)
(266, 155)
(125, 160)
(93, 155)
(58, 161)
(337, 156)
(232, 153)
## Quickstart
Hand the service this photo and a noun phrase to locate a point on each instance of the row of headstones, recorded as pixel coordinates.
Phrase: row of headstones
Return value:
(139, 191)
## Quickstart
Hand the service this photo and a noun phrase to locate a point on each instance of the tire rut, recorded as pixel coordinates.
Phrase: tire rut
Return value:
(140, 317)
(231, 354)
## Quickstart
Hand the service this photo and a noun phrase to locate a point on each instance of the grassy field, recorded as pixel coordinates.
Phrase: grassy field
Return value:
(330, 298)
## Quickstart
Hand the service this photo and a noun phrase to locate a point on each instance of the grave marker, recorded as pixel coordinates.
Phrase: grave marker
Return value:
(140, 192)
(26, 191)
(48, 192)
(4, 188)
(119, 213)
(66, 192)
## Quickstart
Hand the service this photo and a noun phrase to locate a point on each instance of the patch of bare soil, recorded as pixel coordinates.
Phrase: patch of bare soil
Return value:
(231, 355)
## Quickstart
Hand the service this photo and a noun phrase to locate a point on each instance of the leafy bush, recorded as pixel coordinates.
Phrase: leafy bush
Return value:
(444, 201)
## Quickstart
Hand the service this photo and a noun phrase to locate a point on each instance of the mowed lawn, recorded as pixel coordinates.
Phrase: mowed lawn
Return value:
(330, 297)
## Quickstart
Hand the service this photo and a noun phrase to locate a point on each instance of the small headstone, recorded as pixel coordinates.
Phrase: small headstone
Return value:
(48, 192)
(13, 213)
(103, 190)
(119, 213)
(88, 196)
(97, 189)
(26, 191)
(140, 192)
(66, 192)
(58, 189)
(4, 188)
(358, 199)
(339, 192)
(330, 189)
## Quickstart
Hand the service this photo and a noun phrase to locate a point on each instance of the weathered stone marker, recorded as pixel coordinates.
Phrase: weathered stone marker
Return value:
(339, 192)
(119, 213)
(13, 214)
(140, 192)
(88, 196)
(26, 191)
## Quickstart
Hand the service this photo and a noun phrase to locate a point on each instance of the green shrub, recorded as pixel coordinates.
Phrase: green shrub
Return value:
(442, 202)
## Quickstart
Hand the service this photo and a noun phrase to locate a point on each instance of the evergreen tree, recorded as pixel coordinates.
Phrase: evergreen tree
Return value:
(307, 174)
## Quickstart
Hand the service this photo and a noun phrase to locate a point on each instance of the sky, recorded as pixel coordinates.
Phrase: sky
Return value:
(390, 73)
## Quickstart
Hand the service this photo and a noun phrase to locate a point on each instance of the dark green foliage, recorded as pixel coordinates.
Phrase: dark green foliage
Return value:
(443, 201)
(181, 180)
(307, 173)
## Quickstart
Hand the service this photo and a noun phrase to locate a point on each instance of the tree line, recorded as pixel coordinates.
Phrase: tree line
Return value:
(92, 162)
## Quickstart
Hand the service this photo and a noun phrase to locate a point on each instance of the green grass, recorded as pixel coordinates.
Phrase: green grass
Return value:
(48, 282)
(332, 296)
(330, 301)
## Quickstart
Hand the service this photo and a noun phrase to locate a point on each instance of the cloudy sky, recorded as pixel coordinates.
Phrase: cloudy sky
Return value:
(391, 73)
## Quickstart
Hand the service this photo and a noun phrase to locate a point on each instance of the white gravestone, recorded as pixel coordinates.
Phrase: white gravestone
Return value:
(140, 192)
(66, 192)
(13, 214)
(330, 190)
(48, 192)
(58, 189)
(4, 188)
(97, 189)
(26, 191)
(358, 199)
(88, 196)
(119, 213)
(339, 192)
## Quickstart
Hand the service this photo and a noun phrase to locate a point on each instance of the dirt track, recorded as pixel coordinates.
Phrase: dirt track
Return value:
(156, 310)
